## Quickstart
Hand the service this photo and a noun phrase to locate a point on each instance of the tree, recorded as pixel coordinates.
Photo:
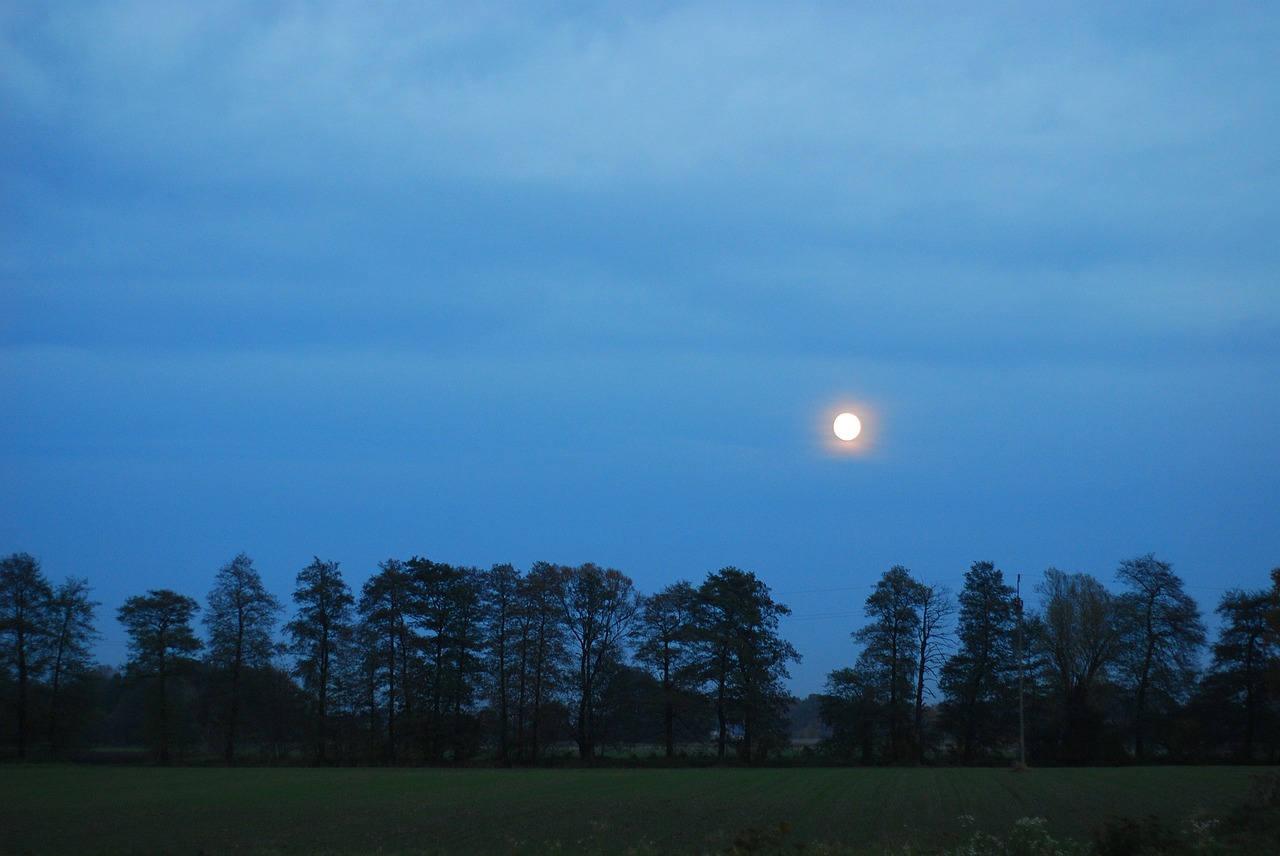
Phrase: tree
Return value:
(1246, 650)
(445, 613)
(745, 659)
(500, 597)
(597, 606)
(386, 603)
(161, 645)
(936, 609)
(25, 598)
(1079, 637)
(320, 631)
(667, 648)
(979, 681)
(241, 621)
(852, 707)
(72, 633)
(1165, 635)
(542, 654)
(891, 652)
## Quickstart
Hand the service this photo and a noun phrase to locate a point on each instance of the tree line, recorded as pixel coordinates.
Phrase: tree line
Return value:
(1090, 677)
(431, 663)
(427, 663)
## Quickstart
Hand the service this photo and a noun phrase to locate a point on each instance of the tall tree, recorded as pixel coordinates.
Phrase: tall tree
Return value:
(891, 651)
(598, 606)
(161, 645)
(1246, 650)
(386, 604)
(542, 653)
(446, 616)
(500, 598)
(241, 621)
(25, 596)
(1079, 638)
(1165, 636)
(746, 658)
(320, 631)
(72, 633)
(667, 648)
(936, 609)
(979, 682)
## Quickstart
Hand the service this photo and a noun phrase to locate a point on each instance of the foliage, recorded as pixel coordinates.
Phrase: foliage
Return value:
(979, 682)
(598, 606)
(1076, 642)
(25, 598)
(162, 645)
(1246, 653)
(745, 660)
(1164, 636)
(321, 632)
(241, 621)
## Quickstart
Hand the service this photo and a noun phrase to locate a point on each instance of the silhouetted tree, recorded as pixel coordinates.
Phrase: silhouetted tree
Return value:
(745, 659)
(241, 620)
(1077, 639)
(891, 652)
(853, 708)
(320, 631)
(1246, 650)
(979, 681)
(1163, 640)
(936, 609)
(161, 645)
(446, 618)
(386, 605)
(72, 634)
(667, 647)
(500, 603)
(542, 654)
(598, 606)
(25, 597)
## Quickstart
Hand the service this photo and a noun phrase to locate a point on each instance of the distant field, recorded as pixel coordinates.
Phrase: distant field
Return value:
(83, 810)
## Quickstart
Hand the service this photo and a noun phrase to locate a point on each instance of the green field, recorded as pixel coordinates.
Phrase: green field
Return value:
(87, 809)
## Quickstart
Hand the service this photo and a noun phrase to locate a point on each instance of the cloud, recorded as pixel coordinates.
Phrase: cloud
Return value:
(933, 182)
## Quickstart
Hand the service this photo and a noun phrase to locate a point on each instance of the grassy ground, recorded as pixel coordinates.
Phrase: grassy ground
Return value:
(82, 810)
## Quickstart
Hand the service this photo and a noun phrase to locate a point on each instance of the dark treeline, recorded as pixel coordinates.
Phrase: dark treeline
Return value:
(1091, 677)
(430, 663)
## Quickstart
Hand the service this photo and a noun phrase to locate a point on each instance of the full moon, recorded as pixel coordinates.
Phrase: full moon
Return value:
(847, 426)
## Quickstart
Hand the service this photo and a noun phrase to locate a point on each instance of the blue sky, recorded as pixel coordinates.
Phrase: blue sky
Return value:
(508, 282)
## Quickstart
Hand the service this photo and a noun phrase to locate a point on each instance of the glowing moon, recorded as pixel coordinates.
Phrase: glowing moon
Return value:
(847, 426)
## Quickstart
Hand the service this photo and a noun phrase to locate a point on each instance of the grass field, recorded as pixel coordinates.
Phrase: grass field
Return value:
(86, 809)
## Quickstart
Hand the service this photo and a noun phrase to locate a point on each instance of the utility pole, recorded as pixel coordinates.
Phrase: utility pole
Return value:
(1022, 726)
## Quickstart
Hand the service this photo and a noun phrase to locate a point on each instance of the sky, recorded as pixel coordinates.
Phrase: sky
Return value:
(587, 281)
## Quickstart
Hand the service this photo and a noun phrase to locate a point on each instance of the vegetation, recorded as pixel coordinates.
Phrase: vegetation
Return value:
(439, 665)
(98, 809)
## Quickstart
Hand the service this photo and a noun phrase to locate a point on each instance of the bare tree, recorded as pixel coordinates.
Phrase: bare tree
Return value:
(936, 609)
